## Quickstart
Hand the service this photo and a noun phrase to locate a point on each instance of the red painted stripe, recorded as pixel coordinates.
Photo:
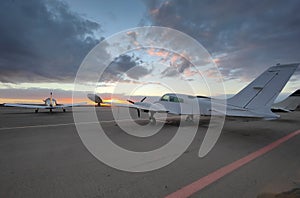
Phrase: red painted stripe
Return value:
(216, 175)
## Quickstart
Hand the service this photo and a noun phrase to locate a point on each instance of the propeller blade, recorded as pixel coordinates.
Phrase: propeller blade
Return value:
(134, 102)
(130, 101)
(143, 99)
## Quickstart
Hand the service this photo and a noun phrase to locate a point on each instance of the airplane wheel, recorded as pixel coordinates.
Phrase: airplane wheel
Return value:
(189, 118)
(36, 111)
(152, 121)
(64, 110)
(50, 110)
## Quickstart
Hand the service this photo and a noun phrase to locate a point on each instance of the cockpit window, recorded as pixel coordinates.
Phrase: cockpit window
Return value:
(165, 98)
(171, 98)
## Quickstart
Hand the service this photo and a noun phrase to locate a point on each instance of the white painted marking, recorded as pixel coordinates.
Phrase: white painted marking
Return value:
(63, 124)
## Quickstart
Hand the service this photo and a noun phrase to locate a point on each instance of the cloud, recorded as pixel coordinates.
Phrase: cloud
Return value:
(125, 68)
(179, 67)
(250, 36)
(42, 40)
(34, 93)
(178, 64)
(39, 94)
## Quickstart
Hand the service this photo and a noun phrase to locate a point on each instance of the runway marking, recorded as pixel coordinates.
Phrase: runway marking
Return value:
(218, 174)
(44, 125)
(65, 124)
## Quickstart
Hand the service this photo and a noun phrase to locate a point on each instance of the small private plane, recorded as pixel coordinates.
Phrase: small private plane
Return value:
(254, 101)
(289, 104)
(49, 103)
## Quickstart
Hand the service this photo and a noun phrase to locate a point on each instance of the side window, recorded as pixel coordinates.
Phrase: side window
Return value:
(173, 99)
(176, 99)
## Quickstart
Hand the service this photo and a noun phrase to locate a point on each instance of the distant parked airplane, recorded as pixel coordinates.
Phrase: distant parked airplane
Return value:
(288, 104)
(50, 103)
(95, 98)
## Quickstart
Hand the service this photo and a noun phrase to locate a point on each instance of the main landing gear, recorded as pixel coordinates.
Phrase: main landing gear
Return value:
(189, 118)
(36, 110)
(152, 119)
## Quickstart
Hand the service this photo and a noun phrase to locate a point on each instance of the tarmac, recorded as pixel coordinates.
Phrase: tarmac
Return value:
(42, 155)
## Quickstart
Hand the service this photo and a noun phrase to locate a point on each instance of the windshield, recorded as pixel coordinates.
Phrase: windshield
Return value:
(171, 98)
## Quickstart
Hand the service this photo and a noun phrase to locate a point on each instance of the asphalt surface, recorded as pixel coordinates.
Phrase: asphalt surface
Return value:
(42, 155)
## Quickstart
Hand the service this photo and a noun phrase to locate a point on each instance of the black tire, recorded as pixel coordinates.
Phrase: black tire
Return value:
(152, 121)
(189, 119)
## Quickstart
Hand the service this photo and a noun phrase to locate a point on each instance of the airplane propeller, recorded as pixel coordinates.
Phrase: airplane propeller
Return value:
(132, 102)
(138, 111)
(143, 99)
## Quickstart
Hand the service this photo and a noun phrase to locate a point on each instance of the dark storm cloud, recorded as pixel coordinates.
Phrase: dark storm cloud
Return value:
(251, 35)
(125, 66)
(42, 40)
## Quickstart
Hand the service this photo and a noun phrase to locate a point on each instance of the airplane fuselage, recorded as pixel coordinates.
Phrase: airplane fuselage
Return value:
(50, 102)
(198, 105)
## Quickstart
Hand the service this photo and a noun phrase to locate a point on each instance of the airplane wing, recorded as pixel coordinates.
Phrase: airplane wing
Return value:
(70, 105)
(145, 106)
(43, 106)
(27, 106)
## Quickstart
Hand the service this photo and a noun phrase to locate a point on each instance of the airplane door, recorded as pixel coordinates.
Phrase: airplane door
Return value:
(190, 106)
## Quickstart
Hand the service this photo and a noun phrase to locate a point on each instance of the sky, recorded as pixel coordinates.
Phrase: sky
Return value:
(43, 42)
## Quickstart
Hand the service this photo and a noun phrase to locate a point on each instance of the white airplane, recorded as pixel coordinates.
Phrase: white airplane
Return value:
(254, 101)
(288, 104)
(95, 98)
(50, 103)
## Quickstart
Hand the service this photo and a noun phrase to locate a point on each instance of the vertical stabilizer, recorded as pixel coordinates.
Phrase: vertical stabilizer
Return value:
(261, 93)
(51, 99)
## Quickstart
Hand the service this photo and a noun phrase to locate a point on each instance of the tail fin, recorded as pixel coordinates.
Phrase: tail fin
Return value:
(50, 98)
(95, 98)
(288, 104)
(261, 93)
